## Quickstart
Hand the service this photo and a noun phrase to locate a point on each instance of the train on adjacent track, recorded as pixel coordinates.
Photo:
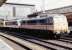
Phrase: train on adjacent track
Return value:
(55, 24)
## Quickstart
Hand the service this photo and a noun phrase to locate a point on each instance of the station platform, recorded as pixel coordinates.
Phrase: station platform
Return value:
(6, 44)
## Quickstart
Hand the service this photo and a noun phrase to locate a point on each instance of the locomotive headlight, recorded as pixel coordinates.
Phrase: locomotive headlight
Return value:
(68, 31)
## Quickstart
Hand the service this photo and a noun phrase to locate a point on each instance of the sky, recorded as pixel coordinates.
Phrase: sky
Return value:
(44, 4)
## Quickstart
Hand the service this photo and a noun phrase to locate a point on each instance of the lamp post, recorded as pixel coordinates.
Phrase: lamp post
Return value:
(43, 6)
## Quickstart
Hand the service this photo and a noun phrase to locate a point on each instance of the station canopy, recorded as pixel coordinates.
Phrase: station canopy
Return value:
(2, 2)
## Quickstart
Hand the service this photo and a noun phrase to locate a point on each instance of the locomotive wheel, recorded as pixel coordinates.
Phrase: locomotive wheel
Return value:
(57, 36)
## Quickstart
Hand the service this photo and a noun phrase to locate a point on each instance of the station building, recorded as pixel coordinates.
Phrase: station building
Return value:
(10, 11)
(15, 10)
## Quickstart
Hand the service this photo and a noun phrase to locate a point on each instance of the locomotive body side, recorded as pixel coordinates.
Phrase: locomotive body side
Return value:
(55, 23)
(52, 24)
(11, 24)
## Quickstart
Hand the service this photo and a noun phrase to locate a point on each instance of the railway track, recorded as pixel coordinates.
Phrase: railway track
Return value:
(34, 43)
(28, 44)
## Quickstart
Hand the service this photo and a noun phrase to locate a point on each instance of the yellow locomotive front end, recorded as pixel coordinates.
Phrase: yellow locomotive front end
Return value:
(60, 24)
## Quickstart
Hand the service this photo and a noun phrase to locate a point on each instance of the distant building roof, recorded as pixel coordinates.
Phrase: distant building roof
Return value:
(20, 4)
(66, 9)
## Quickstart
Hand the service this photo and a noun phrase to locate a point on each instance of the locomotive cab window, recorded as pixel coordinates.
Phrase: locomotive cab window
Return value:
(1, 23)
(50, 20)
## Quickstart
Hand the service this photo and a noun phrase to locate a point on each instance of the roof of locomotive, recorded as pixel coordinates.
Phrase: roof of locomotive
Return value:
(45, 16)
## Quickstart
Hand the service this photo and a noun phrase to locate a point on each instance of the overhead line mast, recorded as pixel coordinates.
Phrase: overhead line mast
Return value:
(43, 6)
